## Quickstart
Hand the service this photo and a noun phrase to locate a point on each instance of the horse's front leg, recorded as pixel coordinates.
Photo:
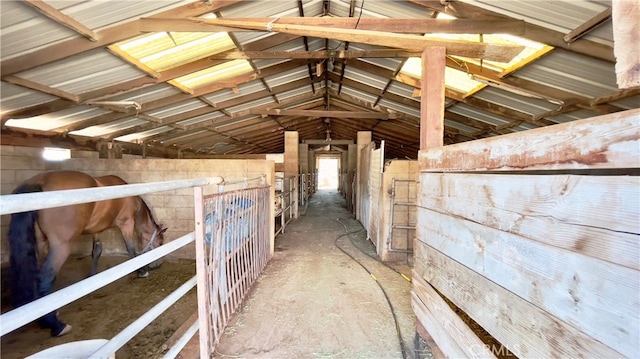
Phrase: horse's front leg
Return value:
(127, 233)
(96, 252)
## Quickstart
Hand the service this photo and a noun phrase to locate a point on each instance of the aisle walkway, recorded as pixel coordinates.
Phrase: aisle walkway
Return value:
(313, 300)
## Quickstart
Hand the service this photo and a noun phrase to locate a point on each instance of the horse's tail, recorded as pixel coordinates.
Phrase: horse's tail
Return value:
(23, 252)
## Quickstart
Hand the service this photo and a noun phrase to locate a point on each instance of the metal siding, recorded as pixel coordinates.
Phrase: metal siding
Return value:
(177, 108)
(256, 103)
(228, 94)
(412, 111)
(572, 116)
(475, 113)
(17, 97)
(147, 94)
(460, 126)
(23, 30)
(357, 93)
(628, 103)
(84, 72)
(368, 78)
(528, 105)
(572, 72)
(58, 119)
(404, 90)
(562, 16)
(99, 14)
(201, 118)
(298, 73)
(380, 9)
(107, 128)
(134, 137)
(295, 92)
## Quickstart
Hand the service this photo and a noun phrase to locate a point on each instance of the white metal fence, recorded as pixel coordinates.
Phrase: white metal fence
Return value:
(232, 248)
(27, 313)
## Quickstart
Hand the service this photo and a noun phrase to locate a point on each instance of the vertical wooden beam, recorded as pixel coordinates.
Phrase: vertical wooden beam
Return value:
(364, 139)
(352, 166)
(201, 275)
(290, 160)
(432, 98)
(626, 48)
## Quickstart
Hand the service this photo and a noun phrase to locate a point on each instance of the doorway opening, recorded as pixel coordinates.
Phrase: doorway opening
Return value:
(328, 173)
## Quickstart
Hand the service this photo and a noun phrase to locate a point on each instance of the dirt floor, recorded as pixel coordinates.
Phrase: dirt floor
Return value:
(314, 300)
(104, 313)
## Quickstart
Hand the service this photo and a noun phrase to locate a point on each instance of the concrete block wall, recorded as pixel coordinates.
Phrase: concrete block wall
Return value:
(174, 209)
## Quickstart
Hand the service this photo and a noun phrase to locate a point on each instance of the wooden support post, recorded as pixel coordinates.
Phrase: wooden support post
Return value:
(290, 160)
(364, 139)
(432, 98)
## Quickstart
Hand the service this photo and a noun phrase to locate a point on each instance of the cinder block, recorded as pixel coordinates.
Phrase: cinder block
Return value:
(8, 176)
(152, 176)
(185, 213)
(7, 150)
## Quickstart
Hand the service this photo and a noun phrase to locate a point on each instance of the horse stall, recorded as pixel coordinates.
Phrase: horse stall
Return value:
(285, 201)
(527, 244)
(106, 312)
(398, 204)
(388, 195)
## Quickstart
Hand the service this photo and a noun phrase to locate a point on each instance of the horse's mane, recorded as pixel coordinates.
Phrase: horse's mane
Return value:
(144, 208)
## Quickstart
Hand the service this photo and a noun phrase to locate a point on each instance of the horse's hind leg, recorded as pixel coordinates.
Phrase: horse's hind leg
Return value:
(95, 255)
(55, 258)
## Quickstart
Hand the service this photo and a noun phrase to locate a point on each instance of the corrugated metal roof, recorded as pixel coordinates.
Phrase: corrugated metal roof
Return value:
(526, 105)
(58, 119)
(562, 16)
(573, 73)
(171, 77)
(16, 97)
(19, 22)
(105, 129)
(80, 74)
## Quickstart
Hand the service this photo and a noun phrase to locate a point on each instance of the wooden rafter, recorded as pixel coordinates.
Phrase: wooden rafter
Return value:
(407, 26)
(550, 37)
(502, 53)
(62, 19)
(324, 113)
(588, 26)
(105, 38)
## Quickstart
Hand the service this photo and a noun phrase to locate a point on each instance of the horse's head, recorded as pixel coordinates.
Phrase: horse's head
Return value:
(152, 238)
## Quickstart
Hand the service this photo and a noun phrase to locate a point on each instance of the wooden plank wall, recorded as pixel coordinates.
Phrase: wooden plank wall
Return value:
(535, 236)
(375, 187)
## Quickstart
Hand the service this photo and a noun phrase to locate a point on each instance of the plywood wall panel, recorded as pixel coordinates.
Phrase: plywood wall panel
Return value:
(526, 330)
(593, 215)
(599, 298)
(603, 142)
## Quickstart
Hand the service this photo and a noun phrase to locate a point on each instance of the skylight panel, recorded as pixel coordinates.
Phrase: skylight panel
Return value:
(213, 74)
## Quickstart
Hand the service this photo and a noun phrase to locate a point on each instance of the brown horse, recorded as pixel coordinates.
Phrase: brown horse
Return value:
(56, 228)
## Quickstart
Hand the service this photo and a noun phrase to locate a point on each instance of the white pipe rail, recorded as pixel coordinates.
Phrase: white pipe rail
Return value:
(23, 202)
(36, 309)
(134, 328)
(182, 342)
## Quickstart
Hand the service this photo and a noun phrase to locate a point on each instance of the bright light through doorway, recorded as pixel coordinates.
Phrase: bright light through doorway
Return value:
(328, 173)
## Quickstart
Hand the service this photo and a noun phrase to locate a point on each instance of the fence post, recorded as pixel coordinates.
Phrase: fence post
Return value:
(201, 274)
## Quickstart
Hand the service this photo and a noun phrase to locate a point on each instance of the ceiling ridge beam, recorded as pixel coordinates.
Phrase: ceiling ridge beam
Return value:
(493, 52)
(395, 25)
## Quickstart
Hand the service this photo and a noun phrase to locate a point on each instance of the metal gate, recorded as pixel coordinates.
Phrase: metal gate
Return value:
(232, 248)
